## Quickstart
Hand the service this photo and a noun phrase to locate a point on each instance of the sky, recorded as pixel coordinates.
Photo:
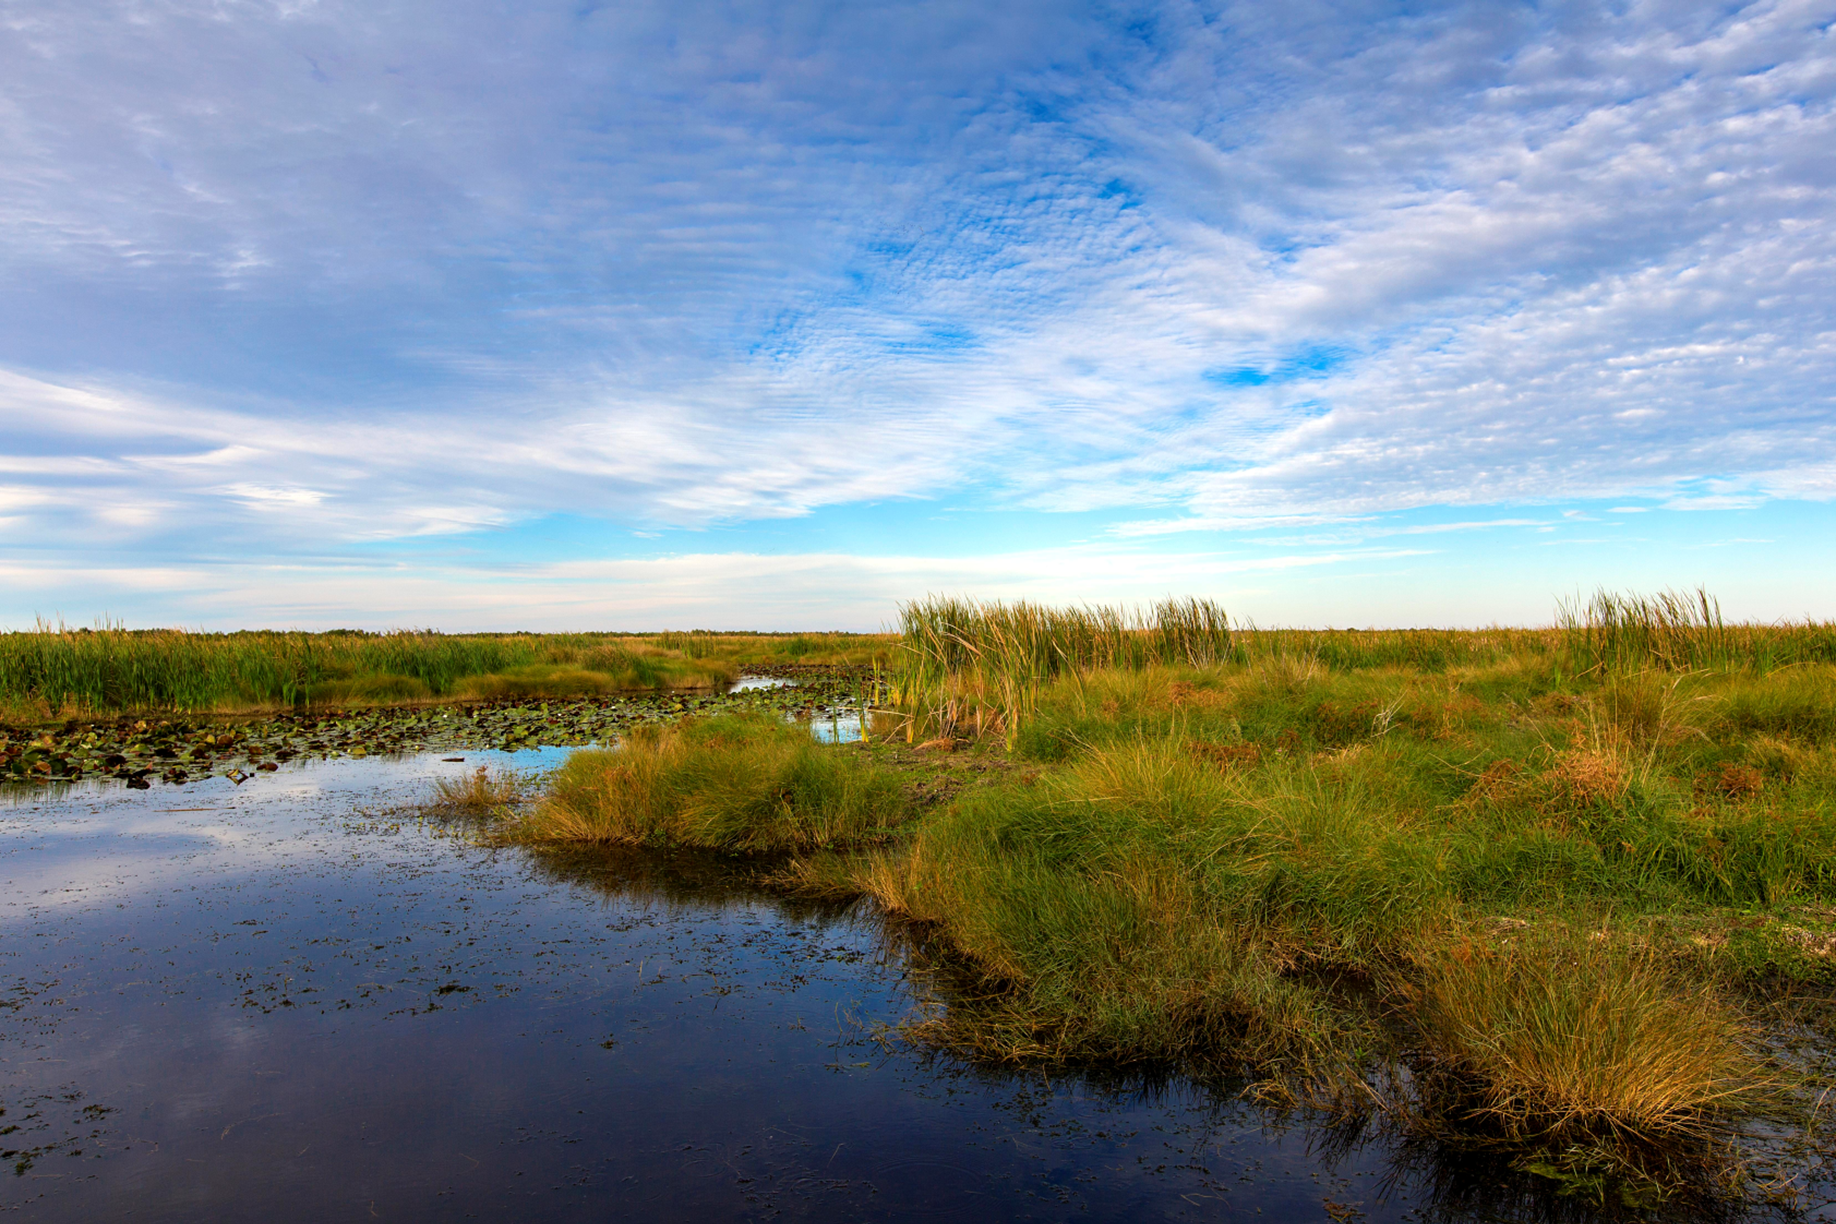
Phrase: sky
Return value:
(535, 315)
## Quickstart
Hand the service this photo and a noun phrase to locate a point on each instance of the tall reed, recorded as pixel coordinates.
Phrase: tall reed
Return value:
(1681, 631)
(1423, 650)
(965, 662)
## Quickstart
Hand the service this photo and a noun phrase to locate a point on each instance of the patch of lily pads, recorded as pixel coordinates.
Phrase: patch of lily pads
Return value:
(176, 748)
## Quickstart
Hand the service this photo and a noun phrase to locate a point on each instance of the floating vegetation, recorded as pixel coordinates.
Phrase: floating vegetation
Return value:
(139, 751)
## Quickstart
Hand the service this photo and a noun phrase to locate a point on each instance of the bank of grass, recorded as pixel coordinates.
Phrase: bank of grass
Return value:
(60, 672)
(1575, 912)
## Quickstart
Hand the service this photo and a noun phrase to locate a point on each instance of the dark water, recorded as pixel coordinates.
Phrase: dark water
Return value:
(293, 1000)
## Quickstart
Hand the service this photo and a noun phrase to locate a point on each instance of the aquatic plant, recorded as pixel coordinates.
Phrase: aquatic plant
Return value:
(479, 791)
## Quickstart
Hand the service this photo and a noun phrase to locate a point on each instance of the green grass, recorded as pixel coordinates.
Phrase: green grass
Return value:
(1678, 631)
(735, 782)
(965, 665)
(47, 672)
(1585, 908)
(1575, 902)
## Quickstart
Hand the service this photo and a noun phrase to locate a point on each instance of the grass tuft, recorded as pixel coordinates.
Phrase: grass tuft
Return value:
(739, 782)
(478, 792)
(1555, 1036)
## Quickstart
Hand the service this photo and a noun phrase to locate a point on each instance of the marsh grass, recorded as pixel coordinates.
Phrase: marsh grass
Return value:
(966, 667)
(1679, 631)
(1559, 1036)
(57, 671)
(1566, 903)
(737, 783)
(1500, 902)
(965, 664)
(1302, 920)
(1421, 650)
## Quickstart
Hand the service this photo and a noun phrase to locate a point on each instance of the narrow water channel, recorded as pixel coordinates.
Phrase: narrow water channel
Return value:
(294, 999)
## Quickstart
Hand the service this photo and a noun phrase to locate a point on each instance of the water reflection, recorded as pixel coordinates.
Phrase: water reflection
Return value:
(747, 684)
(300, 999)
(838, 726)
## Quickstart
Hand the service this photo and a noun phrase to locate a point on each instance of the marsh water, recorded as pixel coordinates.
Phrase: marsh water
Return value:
(296, 999)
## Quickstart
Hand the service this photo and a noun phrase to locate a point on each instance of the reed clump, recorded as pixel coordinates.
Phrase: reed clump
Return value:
(479, 792)
(736, 783)
(966, 664)
(1679, 631)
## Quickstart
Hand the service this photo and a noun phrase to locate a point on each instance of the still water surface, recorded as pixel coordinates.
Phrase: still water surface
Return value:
(295, 1000)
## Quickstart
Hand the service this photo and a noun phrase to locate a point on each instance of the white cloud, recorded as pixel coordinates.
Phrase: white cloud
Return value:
(725, 590)
(287, 279)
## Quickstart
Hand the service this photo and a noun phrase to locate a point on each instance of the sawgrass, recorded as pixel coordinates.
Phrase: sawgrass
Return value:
(1681, 631)
(965, 667)
(969, 666)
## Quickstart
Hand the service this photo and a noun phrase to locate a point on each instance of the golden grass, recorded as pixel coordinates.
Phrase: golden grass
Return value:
(1582, 1033)
(479, 791)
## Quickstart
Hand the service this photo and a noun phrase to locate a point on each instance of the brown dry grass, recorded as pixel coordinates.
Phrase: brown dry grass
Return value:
(479, 791)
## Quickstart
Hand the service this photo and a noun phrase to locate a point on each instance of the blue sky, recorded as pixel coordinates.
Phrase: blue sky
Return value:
(772, 315)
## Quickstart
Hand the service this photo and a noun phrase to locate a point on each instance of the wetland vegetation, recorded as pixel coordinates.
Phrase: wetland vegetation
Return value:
(1565, 894)
(1561, 897)
(57, 672)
